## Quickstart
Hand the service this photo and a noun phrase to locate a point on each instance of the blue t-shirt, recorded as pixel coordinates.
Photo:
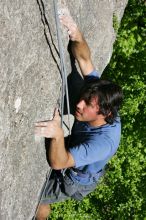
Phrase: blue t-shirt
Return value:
(92, 147)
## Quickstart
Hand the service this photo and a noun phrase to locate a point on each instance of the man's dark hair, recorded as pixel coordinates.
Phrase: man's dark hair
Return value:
(109, 97)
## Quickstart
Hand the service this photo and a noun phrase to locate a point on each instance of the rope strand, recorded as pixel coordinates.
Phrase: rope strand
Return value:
(63, 67)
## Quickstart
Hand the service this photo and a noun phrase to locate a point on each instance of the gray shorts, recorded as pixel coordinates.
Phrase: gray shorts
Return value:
(61, 187)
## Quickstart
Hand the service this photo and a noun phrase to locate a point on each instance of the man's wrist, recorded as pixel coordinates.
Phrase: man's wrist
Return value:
(59, 134)
(80, 38)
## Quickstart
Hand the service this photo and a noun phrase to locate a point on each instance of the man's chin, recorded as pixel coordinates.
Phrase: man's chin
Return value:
(77, 117)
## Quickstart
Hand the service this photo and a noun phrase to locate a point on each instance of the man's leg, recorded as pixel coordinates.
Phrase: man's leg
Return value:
(43, 212)
(54, 192)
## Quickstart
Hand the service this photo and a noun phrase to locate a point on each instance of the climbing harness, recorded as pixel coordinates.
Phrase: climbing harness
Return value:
(64, 91)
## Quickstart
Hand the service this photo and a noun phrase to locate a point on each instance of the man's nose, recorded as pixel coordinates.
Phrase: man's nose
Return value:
(81, 104)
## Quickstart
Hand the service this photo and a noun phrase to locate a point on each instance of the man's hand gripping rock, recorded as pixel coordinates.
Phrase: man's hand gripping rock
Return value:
(51, 128)
(72, 28)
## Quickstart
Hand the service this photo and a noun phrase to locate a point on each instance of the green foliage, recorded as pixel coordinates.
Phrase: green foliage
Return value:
(121, 195)
(116, 23)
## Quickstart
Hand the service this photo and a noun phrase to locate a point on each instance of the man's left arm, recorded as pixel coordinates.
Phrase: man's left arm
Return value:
(79, 46)
(59, 157)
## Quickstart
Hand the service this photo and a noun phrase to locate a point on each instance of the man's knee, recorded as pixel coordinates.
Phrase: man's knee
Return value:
(43, 212)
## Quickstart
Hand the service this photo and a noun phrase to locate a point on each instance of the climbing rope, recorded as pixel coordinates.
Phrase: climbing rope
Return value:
(63, 68)
(64, 91)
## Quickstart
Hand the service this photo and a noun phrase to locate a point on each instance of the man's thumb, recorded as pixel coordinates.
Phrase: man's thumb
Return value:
(56, 113)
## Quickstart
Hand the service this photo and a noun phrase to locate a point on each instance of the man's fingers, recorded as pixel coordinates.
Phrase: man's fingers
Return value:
(69, 32)
(56, 111)
(42, 124)
(67, 21)
(56, 115)
(42, 132)
(63, 11)
(45, 124)
(39, 130)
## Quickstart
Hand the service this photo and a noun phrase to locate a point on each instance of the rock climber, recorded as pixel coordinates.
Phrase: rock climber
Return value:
(95, 135)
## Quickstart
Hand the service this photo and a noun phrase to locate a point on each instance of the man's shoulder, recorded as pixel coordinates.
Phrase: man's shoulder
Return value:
(93, 75)
(108, 133)
(112, 129)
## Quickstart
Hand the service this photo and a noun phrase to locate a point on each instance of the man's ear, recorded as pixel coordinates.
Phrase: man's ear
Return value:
(109, 114)
(97, 109)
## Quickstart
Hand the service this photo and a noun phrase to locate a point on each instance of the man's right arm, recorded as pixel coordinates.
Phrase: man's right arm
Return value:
(79, 46)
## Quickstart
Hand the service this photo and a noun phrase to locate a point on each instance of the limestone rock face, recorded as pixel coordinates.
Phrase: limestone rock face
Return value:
(30, 86)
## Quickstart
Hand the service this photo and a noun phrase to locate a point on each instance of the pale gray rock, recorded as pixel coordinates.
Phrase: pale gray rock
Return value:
(30, 86)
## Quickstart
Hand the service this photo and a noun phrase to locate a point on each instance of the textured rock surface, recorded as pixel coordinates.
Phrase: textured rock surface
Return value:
(29, 85)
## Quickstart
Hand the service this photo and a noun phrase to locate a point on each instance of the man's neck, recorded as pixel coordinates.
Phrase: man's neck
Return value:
(98, 122)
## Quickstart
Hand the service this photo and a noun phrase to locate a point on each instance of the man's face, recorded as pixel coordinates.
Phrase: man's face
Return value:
(87, 112)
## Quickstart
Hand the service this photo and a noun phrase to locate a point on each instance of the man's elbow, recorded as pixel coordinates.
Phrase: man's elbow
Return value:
(57, 166)
(54, 166)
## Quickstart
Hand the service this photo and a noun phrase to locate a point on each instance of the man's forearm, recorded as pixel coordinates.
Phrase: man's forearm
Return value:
(58, 156)
(80, 48)
(82, 54)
